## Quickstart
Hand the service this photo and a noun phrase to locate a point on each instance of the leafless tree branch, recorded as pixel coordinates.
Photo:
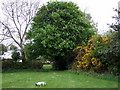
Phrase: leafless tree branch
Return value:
(19, 15)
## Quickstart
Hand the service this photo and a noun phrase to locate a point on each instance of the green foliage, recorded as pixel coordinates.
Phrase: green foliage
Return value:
(13, 47)
(10, 64)
(101, 54)
(16, 56)
(86, 61)
(7, 64)
(3, 49)
(36, 64)
(57, 28)
(110, 54)
(32, 51)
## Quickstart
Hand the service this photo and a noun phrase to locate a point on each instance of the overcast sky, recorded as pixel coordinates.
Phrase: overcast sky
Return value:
(100, 10)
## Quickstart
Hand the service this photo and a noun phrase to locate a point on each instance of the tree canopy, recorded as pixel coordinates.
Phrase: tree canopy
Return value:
(116, 26)
(57, 28)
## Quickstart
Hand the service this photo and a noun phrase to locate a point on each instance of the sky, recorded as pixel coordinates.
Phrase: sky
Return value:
(100, 10)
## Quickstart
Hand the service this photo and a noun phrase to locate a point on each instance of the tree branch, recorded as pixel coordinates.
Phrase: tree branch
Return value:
(10, 33)
(19, 16)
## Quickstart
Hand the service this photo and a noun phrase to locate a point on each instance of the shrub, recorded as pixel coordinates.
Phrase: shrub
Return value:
(110, 54)
(10, 64)
(85, 58)
(7, 64)
(17, 65)
(36, 64)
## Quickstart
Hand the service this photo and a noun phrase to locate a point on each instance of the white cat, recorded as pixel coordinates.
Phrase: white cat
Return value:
(40, 84)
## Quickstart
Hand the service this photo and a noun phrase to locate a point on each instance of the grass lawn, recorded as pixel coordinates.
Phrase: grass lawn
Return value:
(47, 66)
(54, 79)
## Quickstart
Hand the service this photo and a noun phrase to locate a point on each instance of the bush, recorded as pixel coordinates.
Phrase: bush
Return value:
(10, 64)
(18, 65)
(36, 64)
(85, 58)
(110, 54)
(7, 64)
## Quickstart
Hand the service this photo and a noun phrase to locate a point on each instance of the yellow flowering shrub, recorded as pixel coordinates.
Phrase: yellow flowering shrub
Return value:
(84, 57)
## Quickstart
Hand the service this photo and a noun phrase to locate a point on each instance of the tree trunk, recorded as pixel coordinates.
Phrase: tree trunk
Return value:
(23, 56)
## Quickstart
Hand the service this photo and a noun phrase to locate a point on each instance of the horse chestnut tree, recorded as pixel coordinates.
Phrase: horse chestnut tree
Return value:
(57, 29)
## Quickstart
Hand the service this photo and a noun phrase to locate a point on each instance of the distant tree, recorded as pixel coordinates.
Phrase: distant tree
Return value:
(19, 15)
(95, 25)
(3, 49)
(116, 26)
(57, 28)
